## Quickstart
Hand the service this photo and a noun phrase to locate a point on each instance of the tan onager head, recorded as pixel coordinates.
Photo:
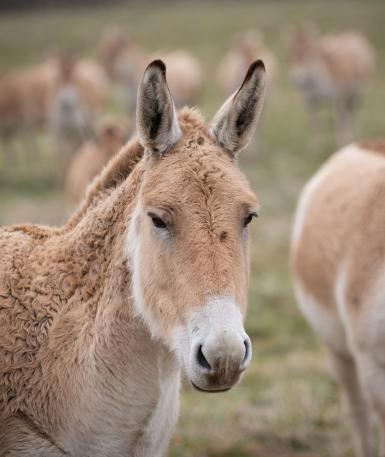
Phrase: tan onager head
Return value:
(188, 236)
(149, 276)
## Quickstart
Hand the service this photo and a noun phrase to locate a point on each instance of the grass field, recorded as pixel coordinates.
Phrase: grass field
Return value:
(287, 403)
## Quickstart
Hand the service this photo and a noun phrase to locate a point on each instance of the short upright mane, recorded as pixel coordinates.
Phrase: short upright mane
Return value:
(190, 119)
(115, 172)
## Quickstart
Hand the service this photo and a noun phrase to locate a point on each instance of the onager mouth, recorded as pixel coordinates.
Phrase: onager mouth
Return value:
(214, 346)
(217, 390)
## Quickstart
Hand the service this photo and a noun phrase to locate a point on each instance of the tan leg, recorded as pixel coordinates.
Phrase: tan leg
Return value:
(357, 405)
(9, 155)
(315, 131)
(31, 152)
(345, 122)
(372, 366)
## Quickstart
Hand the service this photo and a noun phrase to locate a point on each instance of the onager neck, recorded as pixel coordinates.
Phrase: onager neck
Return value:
(103, 365)
(123, 364)
(95, 238)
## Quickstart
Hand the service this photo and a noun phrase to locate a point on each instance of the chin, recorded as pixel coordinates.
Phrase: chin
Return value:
(210, 389)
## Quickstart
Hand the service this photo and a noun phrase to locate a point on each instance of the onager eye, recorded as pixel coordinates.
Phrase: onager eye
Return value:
(249, 218)
(157, 221)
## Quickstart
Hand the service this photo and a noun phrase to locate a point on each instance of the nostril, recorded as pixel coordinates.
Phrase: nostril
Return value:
(202, 361)
(247, 350)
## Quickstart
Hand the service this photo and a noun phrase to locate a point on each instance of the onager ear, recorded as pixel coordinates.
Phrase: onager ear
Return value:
(156, 117)
(234, 124)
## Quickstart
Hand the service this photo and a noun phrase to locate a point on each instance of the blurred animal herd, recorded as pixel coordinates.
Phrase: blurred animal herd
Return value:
(70, 97)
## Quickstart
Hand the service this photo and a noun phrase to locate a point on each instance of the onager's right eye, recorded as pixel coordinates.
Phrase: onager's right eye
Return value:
(157, 221)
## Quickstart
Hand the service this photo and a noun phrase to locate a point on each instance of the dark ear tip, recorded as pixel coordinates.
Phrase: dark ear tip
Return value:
(157, 64)
(257, 65)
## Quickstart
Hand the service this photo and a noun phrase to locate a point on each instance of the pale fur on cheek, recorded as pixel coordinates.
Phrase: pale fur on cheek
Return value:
(134, 254)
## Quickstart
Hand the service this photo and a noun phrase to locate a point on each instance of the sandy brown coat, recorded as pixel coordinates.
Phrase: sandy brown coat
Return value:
(333, 69)
(93, 336)
(338, 260)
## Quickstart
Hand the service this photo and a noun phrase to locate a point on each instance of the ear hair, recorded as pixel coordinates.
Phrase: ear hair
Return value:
(234, 124)
(156, 117)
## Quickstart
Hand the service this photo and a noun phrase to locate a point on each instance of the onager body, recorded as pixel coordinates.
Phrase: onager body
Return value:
(246, 47)
(78, 94)
(150, 275)
(338, 267)
(58, 91)
(124, 61)
(24, 100)
(185, 76)
(332, 70)
(110, 136)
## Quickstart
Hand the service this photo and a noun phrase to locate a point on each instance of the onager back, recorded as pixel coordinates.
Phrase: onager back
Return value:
(149, 276)
(124, 61)
(24, 100)
(338, 268)
(24, 95)
(77, 96)
(110, 135)
(333, 69)
(246, 47)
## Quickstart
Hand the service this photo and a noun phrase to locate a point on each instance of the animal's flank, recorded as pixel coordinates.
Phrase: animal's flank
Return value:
(338, 266)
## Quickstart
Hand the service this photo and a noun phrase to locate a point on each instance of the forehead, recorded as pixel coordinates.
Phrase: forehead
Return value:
(193, 170)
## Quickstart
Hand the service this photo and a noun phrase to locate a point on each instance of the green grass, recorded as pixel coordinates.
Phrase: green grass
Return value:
(287, 403)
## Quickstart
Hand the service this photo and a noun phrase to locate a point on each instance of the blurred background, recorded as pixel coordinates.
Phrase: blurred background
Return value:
(68, 76)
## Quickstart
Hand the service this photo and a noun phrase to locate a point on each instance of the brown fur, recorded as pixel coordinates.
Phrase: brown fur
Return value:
(333, 69)
(377, 145)
(76, 98)
(246, 47)
(110, 134)
(24, 96)
(124, 61)
(338, 258)
(354, 231)
(64, 292)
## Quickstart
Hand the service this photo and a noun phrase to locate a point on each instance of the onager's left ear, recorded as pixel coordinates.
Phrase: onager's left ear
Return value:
(235, 122)
(156, 117)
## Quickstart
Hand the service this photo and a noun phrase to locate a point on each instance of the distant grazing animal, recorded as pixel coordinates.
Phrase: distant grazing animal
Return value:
(185, 76)
(338, 263)
(150, 275)
(246, 47)
(24, 100)
(124, 61)
(333, 69)
(77, 97)
(110, 135)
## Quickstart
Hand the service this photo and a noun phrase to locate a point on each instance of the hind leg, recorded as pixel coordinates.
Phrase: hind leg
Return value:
(329, 327)
(373, 373)
(357, 404)
(19, 438)
(346, 110)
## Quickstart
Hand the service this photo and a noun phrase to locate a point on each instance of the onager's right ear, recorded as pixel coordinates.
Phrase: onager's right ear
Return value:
(156, 117)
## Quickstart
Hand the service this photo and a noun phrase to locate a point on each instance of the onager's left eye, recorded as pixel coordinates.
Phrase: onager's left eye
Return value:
(157, 221)
(249, 218)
